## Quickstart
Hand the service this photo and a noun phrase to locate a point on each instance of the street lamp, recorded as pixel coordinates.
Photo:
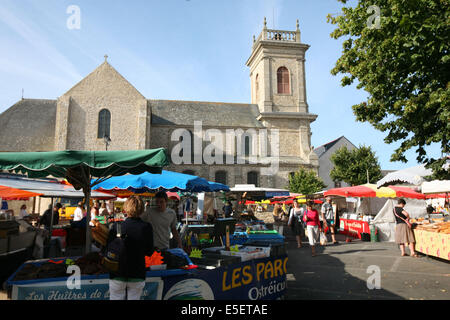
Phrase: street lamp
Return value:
(107, 141)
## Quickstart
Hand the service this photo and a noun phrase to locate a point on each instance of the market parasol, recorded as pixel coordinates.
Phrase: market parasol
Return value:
(167, 180)
(371, 191)
(8, 193)
(79, 167)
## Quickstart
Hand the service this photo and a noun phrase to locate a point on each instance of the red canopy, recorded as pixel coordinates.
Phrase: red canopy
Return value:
(356, 191)
(370, 190)
(8, 193)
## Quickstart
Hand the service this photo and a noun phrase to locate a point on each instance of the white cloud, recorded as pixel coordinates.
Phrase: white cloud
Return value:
(39, 44)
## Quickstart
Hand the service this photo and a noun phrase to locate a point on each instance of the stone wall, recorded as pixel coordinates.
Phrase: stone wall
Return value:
(28, 125)
(104, 88)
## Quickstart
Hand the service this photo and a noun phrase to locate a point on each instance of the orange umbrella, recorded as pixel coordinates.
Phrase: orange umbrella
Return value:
(8, 193)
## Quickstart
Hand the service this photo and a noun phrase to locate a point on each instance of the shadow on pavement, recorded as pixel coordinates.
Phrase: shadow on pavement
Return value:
(321, 250)
(324, 277)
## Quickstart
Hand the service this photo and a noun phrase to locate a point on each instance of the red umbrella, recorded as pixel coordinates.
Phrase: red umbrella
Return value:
(405, 192)
(356, 191)
(371, 190)
(173, 195)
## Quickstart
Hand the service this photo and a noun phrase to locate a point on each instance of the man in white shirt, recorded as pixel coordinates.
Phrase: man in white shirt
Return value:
(163, 221)
(329, 218)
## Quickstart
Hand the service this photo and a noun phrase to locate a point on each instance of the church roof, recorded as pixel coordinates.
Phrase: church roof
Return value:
(29, 122)
(216, 114)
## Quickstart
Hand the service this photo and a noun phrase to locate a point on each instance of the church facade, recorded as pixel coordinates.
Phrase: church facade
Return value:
(231, 143)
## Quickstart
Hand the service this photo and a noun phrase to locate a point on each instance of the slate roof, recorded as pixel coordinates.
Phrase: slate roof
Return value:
(325, 147)
(216, 114)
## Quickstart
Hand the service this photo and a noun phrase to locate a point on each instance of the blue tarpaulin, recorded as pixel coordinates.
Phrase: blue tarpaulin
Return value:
(167, 180)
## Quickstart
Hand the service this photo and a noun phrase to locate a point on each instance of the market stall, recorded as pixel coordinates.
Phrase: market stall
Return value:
(359, 223)
(80, 167)
(433, 234)
(253, 279)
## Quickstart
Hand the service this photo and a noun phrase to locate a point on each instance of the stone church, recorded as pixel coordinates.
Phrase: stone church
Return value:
(105, 112)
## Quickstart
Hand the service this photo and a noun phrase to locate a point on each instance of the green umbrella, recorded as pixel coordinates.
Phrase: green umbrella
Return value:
(80, 167)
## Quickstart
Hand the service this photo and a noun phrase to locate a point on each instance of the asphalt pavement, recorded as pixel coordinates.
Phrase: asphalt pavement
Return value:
(347, 270)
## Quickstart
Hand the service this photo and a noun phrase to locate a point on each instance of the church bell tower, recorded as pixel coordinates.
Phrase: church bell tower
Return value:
(277, 74)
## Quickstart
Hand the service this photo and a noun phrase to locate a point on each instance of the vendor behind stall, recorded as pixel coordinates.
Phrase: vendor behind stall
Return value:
(46, 218)
(163, 221)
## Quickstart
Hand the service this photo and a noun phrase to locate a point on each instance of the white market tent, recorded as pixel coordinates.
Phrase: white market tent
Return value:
(385, 219)
(412, 176)
(436, 186)
(270, 192)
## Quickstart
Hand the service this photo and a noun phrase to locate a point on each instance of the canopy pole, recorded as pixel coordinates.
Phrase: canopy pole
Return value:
(51, 222)
(87, 196)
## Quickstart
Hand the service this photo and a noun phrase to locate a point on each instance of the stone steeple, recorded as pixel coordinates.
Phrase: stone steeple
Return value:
(278, 82)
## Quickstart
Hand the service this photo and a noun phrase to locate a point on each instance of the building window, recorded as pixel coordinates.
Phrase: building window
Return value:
(221, 177)
(191, 172)
(247, 145)
(252, 178)
(283, 80)
(257, 87)
(104, 123)
(337, 184)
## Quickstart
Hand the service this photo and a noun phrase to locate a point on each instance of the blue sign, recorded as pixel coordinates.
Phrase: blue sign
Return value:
(89, 290)
(260, 279)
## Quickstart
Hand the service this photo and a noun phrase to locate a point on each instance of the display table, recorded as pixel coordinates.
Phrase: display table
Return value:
(258, 279)
(433, 243)
(353, 228)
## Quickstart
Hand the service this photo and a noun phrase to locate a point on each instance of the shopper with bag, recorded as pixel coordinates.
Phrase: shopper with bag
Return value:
(329, 219)
(128, 244)
(403, 229)
(311, 217)
(295, 222)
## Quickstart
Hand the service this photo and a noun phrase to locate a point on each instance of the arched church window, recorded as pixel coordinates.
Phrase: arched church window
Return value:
(257, 86)
(104, 123)
(247, 145)
(283, 80)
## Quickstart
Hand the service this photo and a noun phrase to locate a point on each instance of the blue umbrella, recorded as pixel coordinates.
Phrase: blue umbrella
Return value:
(167, 180)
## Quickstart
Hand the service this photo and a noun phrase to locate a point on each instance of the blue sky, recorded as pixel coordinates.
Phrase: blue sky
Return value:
(178, 50)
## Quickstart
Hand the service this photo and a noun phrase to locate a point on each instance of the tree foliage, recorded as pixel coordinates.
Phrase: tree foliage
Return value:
(353, 166)
(305, 182)
(404, 65)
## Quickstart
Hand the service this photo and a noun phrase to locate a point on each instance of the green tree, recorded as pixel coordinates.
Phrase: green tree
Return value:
(354, 166)
(404, 64)
(305, 182)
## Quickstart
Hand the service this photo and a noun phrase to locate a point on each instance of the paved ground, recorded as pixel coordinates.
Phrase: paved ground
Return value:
(340, 272)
